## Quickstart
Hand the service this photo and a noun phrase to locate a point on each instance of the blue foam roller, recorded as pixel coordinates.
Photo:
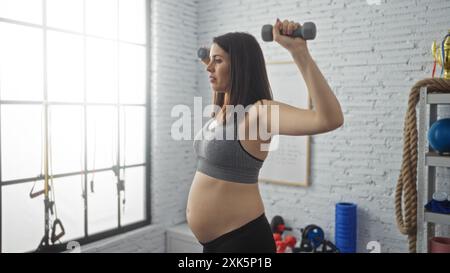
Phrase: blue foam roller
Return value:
(346, 227)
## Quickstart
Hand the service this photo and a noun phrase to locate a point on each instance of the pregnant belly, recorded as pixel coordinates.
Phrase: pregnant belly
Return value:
(216, 207)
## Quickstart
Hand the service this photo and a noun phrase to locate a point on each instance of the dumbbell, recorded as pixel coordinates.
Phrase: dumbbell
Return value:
(289, 241)
(203, 55)
(281, 246)
(307, 31)
(277, 237)
(277, 225)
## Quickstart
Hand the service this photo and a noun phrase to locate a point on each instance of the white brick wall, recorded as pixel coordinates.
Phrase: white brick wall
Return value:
(371, 56)
(173, 46)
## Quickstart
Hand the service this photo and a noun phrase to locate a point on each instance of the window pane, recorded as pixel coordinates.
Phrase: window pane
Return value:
(69, 205)
(102, 203)
(101, 71)
(65, 14)
(22, 218)
(21, 76)
(101, 18)
(21, 141)
(65, 67)
(132, 137)
(101, 136)
(132, 21)
(15, 9)
(134, 208)
(132, 73)
(66, 130)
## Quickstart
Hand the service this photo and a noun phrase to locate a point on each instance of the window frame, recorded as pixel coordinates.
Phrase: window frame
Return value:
(120, 229)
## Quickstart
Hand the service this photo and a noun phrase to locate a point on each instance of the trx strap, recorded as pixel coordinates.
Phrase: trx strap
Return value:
(49, 200)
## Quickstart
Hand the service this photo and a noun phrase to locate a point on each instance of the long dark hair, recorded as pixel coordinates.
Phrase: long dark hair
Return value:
(248, 76)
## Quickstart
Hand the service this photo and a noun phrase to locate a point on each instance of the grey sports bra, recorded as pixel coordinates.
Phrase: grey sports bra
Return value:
(223, 158)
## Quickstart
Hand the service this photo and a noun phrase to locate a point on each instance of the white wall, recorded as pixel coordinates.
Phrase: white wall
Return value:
(173, 45)
(174, 40)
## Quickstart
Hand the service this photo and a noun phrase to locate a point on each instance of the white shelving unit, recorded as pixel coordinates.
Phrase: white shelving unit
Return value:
(428, 161)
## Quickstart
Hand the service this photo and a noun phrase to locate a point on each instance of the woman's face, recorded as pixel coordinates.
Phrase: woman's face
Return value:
(219, 69)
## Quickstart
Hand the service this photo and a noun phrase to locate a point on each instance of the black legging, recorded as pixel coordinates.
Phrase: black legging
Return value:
(253, 237)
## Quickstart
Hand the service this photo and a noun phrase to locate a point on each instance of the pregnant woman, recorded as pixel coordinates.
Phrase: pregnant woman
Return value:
(225, 210)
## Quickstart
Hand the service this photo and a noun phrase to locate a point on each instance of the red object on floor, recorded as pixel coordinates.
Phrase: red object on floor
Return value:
(277, 237)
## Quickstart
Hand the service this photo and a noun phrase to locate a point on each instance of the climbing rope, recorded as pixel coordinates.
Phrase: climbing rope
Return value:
(406, 192)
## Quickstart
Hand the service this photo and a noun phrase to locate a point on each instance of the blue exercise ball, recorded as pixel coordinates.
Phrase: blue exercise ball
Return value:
(439, 136)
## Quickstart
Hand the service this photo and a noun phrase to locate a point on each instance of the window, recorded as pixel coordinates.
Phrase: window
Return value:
(73, 112)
